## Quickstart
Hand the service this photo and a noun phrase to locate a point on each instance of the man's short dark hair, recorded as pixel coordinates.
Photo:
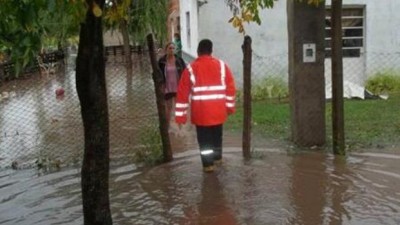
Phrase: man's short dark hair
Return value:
(205, 47)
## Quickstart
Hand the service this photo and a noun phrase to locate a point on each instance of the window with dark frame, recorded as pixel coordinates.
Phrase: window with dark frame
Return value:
(352, 31)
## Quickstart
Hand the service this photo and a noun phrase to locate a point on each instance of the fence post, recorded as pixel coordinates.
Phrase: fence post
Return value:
(167, 152)
(247, 53)
(337, 80)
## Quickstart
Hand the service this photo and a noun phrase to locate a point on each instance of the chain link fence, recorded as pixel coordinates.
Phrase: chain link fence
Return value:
(42, 126)
(39, 128)
(370, 87)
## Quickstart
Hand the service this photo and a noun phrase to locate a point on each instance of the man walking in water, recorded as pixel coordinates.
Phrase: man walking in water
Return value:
(209, 84)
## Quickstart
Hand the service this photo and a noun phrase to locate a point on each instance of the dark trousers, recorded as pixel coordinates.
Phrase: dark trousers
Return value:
(209, 138)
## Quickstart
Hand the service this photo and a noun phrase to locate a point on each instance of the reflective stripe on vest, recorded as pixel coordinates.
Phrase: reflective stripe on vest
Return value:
(222, 72)
(191, 74)
(206, 89)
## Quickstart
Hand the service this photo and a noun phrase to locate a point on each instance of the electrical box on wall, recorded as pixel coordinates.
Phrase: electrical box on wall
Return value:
(309, 53)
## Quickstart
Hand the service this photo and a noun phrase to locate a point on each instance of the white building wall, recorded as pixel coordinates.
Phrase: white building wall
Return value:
(269, 40)
(382, 43)
(382, 38)
(189, 45)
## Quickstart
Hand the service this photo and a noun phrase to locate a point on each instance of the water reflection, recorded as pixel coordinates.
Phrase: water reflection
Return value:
(276, 188)
(339, 193)
(213, 208)
(317, 189)
(334, 190)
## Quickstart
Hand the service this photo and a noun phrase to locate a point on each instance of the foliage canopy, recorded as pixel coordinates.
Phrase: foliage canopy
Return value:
(27, 24)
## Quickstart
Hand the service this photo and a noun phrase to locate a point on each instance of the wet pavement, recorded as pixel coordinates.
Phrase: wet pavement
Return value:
(276, 187)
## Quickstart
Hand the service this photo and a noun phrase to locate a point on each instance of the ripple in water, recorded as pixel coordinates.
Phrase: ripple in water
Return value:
(274, 188)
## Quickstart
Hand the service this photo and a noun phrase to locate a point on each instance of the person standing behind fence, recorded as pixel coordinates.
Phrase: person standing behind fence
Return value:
(178, 44)
(171, 67)
(208, 87)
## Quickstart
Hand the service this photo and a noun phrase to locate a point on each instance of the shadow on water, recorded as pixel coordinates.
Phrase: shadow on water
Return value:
(277, 188)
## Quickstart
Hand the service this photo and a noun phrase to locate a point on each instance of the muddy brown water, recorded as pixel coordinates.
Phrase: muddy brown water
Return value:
(37, 124)
(275, 188)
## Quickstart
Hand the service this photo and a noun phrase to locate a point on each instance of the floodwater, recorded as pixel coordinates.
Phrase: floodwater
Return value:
(36, 124)
(277, 187)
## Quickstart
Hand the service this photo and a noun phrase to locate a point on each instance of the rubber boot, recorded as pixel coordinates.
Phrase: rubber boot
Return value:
(218, 156)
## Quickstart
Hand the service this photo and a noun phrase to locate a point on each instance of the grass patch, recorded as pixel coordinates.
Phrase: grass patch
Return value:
(269, 118)
(384, 82)
(268, 88)
(372, 123)
(368, 123)
(150, 153)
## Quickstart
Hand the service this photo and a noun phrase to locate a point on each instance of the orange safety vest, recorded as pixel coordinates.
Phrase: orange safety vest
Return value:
(209, 86)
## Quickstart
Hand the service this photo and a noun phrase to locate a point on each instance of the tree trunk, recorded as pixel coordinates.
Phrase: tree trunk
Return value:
(247, 60)
(337, 80)
(306, 30)
(127, 47)
(162, 118)
(92, 93)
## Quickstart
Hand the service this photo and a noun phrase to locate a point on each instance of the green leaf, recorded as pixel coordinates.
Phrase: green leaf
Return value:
(96, 10)
(25, 61)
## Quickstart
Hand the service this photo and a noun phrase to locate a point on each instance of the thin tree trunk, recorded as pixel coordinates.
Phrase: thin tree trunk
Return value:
(127, 47)
(92, 93)
(247, 53)
(337, 80)
(167, 151)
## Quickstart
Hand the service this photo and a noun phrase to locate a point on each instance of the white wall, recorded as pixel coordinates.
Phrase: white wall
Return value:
(268, 39)
(382, 45)
(189, 46)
